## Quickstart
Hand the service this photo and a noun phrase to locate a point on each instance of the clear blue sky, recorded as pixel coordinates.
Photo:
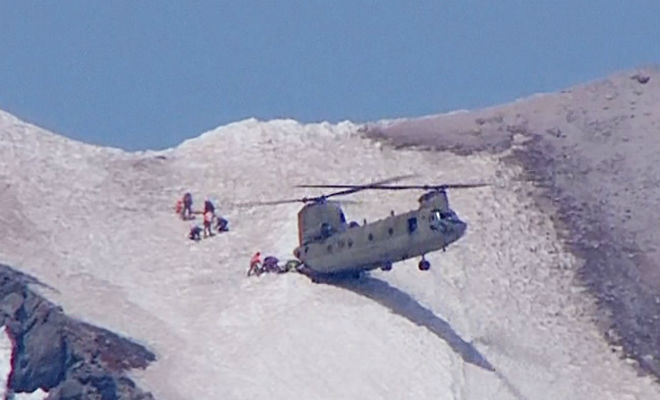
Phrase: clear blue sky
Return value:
(148, 74)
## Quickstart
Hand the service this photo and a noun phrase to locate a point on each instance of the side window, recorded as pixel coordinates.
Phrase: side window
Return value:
(342, 217)
(412, 224)
(326, 230)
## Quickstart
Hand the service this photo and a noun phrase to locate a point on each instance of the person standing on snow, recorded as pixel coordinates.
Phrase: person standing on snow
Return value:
(255, 264)
(209, 216)
(208, 206)
(186, 213)
(208, 219)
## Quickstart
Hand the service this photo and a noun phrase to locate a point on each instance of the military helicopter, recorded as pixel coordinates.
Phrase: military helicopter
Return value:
(328, 245)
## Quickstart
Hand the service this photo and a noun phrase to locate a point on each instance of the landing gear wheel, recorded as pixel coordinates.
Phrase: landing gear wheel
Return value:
(424, 265)
(386, 266)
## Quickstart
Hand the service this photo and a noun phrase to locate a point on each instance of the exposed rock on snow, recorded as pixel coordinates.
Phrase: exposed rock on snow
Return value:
(65, 357)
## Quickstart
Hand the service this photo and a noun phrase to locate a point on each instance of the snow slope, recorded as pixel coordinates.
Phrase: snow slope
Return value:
(498, 316)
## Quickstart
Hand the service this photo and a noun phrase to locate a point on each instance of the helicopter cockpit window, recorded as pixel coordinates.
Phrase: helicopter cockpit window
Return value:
(435, 219)
(447, 215)
(326, 230)
(437, 215)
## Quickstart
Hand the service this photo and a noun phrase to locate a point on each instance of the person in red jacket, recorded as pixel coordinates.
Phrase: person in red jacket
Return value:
(255, 264)
(208, 219)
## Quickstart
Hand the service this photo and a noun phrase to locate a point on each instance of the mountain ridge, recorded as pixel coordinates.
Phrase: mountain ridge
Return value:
(99, 227)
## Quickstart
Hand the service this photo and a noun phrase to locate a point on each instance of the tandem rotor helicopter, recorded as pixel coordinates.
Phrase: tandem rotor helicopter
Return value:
(331, 246)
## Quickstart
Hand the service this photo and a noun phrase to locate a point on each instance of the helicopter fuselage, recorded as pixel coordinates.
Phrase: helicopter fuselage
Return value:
(353, 248)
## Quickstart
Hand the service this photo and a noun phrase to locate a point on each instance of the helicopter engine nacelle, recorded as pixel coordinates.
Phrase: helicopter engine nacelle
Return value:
(320, 220)
(435, 199)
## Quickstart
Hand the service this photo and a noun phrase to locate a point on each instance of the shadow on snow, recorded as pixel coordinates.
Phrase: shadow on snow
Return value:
(404, 305)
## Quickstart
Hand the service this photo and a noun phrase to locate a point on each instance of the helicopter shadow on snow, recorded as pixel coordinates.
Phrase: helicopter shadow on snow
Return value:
(401, 303)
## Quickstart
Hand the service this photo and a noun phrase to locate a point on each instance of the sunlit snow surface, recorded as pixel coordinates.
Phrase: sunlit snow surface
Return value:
(498, 315)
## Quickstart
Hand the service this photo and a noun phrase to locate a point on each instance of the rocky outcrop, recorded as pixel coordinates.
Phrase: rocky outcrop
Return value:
(68, 358)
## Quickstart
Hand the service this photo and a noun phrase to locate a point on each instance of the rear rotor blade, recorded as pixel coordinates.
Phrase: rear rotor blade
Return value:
(356, 188)
(382, 182)
(290, 201)
(349, 189)
(269, 203)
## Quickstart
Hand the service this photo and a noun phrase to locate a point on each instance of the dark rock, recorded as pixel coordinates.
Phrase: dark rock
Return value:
(641, 78)
(105, 385)
(41, 361)
(11, 304)
(68, 358)
(70, 389)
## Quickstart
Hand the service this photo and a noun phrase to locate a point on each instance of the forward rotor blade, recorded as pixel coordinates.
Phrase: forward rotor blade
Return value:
(429, 187)
(343, 202)
(401, 187)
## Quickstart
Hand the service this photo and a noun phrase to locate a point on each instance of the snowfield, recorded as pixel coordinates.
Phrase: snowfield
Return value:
(498, 316)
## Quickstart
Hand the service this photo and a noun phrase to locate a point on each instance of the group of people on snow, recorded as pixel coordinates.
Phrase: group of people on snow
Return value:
(211, 221)
(270, 264)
